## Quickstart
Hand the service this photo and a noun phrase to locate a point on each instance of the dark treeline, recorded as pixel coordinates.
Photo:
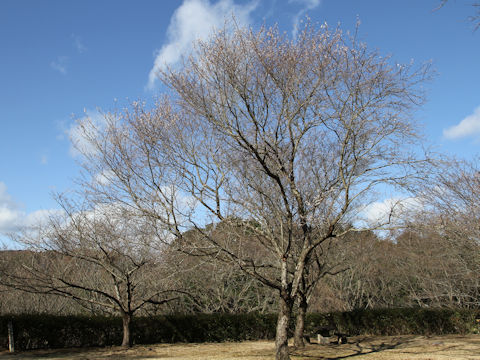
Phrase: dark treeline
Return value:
(414, 268)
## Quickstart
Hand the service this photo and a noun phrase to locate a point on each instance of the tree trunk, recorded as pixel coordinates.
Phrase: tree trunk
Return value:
(281, 338)
(127, 339)
(11, 342)
(300, 323)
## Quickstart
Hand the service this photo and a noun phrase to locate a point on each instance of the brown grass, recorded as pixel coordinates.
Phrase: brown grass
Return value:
(452, 347)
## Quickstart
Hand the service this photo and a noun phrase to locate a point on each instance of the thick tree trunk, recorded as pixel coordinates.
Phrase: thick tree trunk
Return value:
(281, 339)
(300, 323)
(127, 339)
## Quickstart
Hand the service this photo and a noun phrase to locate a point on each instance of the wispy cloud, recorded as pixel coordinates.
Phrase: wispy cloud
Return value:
(467, 127)
(104, 178)
(60, 64)
(195, 20)
(306, 6)
(390, 211)
(89, 125)
(44, 159)
(10, 213)
(13, 217)
(78, 43)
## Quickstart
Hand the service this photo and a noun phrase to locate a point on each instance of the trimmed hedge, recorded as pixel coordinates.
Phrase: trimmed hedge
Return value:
(401, 321)
(203, 328)
(50, 331)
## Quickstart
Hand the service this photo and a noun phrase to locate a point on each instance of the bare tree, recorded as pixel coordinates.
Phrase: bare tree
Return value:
(447, 237)
(327, 259)
(212, 283)
(285, 138)
(434, 270)
(372, 278)
(214, 286)
(13, 301)
(100, 257)
(475, 19)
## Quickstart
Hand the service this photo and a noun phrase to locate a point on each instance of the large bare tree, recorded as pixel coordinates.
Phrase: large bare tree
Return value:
(288, 139)
(326, 260)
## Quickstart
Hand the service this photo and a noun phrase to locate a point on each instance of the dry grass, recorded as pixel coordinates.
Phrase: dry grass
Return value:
(359, 348)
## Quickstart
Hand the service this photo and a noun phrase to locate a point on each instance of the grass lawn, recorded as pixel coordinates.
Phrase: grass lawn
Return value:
(408, 347)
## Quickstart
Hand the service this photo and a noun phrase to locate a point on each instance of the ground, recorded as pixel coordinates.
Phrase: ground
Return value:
(452, 347)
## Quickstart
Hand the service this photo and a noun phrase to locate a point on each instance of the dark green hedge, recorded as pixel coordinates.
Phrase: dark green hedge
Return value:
(49, 331)
(203, 328)
(400, 321)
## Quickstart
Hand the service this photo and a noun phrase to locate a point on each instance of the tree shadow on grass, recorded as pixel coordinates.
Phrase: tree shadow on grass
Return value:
(354, 349)
(79, 354)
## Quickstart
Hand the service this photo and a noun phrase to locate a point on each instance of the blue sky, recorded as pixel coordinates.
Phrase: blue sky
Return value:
(62, 58)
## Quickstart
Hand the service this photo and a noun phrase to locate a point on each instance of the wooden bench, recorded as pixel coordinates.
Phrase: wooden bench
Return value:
(324, 336)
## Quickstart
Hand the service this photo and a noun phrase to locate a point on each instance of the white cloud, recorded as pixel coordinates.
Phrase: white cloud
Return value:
(39, 217)
(5, 198)
(60, 64)
(307, 5)
(78, 43)
(89, 125)
(467, 127)
(13, 217)
(390, 211)
(10, 219)
(10, 214)
(105, 177)
(44, 159)
(195, 20)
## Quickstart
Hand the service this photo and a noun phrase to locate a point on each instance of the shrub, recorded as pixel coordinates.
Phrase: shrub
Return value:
(396, 321)
(50, 331)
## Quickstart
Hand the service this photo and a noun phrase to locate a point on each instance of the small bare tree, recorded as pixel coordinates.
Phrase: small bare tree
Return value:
(289, 139)
(101, 257)
(447, 233)
(436, 271)
(213, 283)
(210, 285)
(13, 301)
(372, 276)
